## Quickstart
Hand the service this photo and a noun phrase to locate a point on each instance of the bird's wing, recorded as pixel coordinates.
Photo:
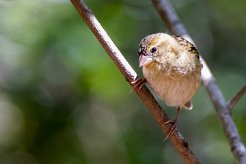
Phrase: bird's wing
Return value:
(187, 45)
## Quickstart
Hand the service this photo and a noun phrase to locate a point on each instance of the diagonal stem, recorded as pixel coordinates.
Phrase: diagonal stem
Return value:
(238, 149)
(236, 98)
(144, 94)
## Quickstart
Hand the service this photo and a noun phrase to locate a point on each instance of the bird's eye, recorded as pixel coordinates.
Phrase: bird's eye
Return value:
(153, 50)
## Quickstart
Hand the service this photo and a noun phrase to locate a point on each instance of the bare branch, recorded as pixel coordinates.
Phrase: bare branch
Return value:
(237, 147)
(158, 113)
(236, 98)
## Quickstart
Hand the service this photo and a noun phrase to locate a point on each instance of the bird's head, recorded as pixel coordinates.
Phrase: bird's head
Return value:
(156, 48)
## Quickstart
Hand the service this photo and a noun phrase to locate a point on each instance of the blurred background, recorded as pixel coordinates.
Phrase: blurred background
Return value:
(62, 100)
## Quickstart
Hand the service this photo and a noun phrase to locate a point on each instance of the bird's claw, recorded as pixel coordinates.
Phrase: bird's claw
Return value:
(172, 130)
(138, 83)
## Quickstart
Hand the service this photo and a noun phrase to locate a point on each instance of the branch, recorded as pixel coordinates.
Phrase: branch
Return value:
(236, 98)
(169, 16)
(158, 113)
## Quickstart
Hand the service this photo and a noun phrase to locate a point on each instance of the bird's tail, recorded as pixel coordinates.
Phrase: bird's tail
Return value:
(188, 105)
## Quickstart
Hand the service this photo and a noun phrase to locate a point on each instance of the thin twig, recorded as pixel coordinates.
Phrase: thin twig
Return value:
(236, 98)
(170, 17)
(158, 113)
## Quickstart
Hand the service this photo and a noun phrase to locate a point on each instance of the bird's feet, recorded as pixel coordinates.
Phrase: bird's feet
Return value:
(138, 83)
(174, 127)
(174, 123)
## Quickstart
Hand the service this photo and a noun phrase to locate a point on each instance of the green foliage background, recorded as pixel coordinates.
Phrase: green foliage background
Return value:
(63, 101)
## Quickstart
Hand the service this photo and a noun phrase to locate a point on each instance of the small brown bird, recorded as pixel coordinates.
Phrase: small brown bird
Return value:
(172, 68)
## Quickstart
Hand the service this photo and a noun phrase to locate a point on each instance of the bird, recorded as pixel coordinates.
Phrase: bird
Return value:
(171, 66)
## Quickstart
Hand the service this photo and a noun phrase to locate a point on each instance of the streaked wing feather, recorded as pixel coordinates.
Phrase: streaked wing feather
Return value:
(187, 45)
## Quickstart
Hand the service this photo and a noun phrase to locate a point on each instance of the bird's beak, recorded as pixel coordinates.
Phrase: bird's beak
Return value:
(145, 60)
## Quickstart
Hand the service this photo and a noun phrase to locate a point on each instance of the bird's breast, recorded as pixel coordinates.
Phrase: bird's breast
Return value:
(173, 87)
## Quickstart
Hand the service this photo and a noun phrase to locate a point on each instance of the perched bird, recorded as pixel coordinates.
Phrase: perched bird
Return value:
(172, 68)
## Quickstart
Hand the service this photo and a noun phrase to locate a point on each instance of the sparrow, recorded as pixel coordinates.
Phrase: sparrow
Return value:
(172, 68)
